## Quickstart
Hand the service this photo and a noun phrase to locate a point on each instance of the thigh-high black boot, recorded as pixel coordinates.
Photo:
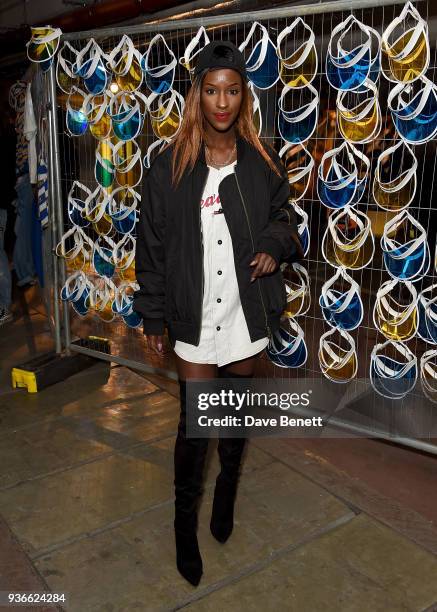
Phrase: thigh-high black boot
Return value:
(189, 461)
(230, 451)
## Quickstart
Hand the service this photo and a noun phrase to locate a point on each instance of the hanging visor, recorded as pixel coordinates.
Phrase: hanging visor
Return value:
(77, 290)
(395, 182)
(72, 285)
(348, 240)
(127, 162)
(396, 319)
(165, 112)
(338, 359)
(427, 313)
(77, 197)
(287, 348)
(43, 44)
(342, 308)
(298, 291)
(405, 52)
(90, 65)
(363, 170)
(159, 65)
(415, 118)
(127, 112)
(103, 259)
(405, 248)
(104, 170)
(428, 374)
(77, 109)
(256, 110)
(123, 304)
(393, 369)
(298, 124)
(101, 299)
(99, 121)
(262, 65)
(336, 184)
(97, 210)
(124, 257)
(152, 151)
(125, 62)
(298, 61)
(299, 164)
(75, 247)
(194, 47)
(123, 209)
(349, 69)
(359, 114)
(96, 205)
(302, 228)
(65, 75)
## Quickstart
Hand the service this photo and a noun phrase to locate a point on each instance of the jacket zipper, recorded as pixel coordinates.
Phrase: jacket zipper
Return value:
(203, 279)
(269, 333)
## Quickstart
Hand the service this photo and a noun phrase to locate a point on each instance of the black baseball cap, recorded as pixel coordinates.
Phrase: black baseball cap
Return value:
(221, 54)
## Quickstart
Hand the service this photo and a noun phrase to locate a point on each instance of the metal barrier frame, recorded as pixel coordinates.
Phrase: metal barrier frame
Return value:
(56, 192)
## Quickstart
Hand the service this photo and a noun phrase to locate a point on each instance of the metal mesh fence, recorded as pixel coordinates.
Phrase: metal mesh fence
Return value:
(78, 157)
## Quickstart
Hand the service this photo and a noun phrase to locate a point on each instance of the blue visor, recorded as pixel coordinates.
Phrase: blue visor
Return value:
(351, 76)
(127, 129)
(427, 314)
(302, 228)
(124, 224)
(297, 131)
(336, 185)
(297, 124)
(391, 378)
(348, 318)
(405, 258)
(287, 348)
(268, 72)
(133, 320)
(262, 64)
(159, 74)
(102, 262)
(97, 81)
(407, 267)
(77, 122)
(416, 120)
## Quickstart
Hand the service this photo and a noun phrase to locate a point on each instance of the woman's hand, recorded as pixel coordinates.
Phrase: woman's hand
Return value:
(155, 343)
(264, 264)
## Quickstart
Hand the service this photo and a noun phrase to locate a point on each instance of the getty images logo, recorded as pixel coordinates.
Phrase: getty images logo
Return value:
(238, 400)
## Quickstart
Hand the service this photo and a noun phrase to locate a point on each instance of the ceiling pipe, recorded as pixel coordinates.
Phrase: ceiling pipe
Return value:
(107, 13)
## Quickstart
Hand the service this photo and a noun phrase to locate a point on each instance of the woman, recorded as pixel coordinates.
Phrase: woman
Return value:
(215, 224)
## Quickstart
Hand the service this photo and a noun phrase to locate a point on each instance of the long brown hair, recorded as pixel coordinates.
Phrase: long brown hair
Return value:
(191, 136)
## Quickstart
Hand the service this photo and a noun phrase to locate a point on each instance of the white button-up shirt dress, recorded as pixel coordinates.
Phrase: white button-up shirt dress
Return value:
(224, 335)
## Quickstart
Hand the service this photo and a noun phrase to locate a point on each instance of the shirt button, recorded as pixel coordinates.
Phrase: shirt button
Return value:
(219, 300)
(219, 241)
(218, 328)
(219, 272)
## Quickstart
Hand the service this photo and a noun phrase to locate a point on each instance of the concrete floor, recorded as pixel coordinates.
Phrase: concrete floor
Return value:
(86, 505)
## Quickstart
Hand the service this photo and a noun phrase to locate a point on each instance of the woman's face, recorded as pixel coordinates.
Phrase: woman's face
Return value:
(221, 97)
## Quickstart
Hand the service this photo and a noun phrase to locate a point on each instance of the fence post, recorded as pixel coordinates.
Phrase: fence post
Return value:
(57, 211)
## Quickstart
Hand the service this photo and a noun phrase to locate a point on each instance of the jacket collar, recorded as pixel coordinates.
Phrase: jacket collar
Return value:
(241, 148)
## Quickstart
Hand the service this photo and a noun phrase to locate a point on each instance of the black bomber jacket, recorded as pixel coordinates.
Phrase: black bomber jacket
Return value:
(169, 251)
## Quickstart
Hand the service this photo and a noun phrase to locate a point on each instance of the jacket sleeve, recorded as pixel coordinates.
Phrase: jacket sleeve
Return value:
(280, 237)
(149, 300)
